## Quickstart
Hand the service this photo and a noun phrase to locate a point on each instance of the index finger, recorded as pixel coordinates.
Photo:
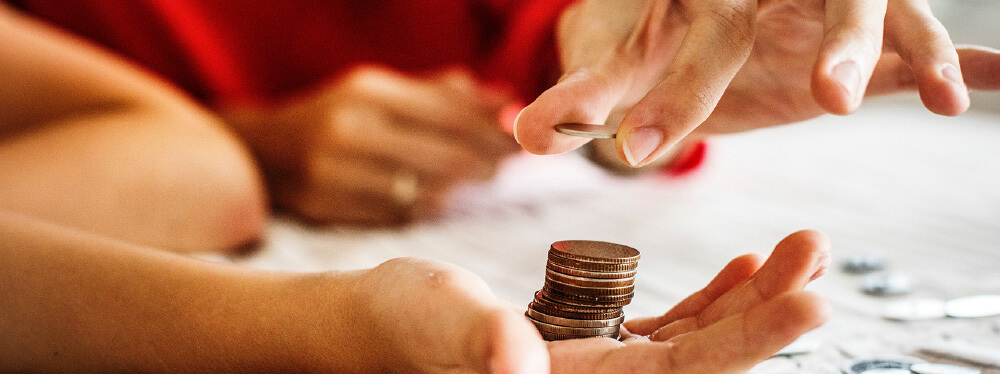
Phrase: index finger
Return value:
(716, 45)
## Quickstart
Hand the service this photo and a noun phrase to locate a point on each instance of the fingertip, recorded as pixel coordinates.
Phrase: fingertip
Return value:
(835, 97)
(942, 90)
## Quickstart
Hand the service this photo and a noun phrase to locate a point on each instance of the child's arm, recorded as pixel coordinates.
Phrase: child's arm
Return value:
(89, 141)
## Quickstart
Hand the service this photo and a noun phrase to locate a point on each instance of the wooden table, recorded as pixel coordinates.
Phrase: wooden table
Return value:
(919, 189)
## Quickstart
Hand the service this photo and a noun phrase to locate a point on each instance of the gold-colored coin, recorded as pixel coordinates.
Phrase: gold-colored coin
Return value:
(589, 274)
(554, 276)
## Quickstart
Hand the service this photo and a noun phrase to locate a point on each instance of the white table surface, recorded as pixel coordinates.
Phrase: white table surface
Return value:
(894, 180)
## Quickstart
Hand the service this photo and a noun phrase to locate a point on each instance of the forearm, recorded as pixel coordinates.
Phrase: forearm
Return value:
(76, 302)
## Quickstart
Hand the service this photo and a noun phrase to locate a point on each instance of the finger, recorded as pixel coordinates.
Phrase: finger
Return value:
(437, 107)
(580, 97)
(732, 345)
(717, 44)
(738, 342)
(852, 44)
(369, 132)
(737, 271)
(511, 344)
(796, 260)
(924, 45)
(980, 70)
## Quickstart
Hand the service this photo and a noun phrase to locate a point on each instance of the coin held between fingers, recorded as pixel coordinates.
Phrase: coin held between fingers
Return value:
(584, 130)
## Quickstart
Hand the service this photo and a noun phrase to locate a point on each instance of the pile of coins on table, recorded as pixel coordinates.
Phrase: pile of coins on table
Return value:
(586, 285)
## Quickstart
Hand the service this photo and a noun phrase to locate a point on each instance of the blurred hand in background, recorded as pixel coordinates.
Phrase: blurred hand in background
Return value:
(376, 146)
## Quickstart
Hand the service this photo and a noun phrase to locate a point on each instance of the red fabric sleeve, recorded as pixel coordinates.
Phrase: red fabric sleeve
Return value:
(527, 54)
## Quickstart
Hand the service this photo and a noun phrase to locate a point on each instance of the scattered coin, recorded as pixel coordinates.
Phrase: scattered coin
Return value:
(887, 371)
(863, 264)
(975, 354)
(587, 131)
(929, 368)
(914, 310)
(586, 285)
(866, 365)
(973, 306)
(888, 284)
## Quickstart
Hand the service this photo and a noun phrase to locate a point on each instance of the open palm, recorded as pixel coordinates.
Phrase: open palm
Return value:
(745, 315)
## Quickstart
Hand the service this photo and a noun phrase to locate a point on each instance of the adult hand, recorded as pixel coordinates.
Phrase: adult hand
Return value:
(745, 315)
(377, 146)
(664, 68)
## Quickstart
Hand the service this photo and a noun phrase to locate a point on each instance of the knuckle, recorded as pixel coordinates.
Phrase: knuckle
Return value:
(739, 20)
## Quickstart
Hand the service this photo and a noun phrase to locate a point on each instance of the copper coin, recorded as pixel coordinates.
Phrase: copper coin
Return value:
(545, 300)
(594, 251)
(590, 291)
(585, 331)
(584, 130)
(591, 266)
(554, 276)
(573, 322)
(615, 313)
(589, 274)
(587, 300)
(554, 337)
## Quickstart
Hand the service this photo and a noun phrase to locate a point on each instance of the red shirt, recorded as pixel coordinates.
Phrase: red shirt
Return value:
(232, 51)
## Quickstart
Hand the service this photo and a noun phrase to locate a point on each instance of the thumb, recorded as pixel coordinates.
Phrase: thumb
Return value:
(578, 97)
(508, 344)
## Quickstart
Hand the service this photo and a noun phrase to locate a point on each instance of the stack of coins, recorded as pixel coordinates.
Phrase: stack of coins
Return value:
(586, 285)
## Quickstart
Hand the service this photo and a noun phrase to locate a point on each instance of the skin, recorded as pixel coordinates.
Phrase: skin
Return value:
(74, 301)
(332, 155)
(680, 69)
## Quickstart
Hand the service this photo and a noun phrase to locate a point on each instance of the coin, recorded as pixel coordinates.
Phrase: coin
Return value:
(592, 266)
(887, 371)
(863, 263)
(865, 365)
(914, 310)
(564, 330)
(552, 275)
(586, 285)
(594, 251)
(929, 368)
(587, 300)
(591, 291)
(573, 322)
(584, 130)
(552, 337)
(589, 274)
(973, 306)
(888, 284)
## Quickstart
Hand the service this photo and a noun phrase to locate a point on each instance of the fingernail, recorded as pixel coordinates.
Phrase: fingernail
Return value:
(513, 128)
(640, 143)
(848, 74)
(950, 72)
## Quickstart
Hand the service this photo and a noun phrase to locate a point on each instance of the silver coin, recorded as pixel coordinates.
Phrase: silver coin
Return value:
(886, 371)
(865, 365)
(928, 368)
(888, 284)
(973, 306)
(863, 263)
(914, 310)
(587, 131)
